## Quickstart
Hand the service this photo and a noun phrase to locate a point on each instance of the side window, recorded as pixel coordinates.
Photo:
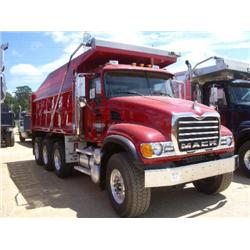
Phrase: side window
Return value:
(94, 88)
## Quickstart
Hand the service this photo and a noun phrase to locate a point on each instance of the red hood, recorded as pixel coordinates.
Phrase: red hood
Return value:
(155, 112)
(161, 104)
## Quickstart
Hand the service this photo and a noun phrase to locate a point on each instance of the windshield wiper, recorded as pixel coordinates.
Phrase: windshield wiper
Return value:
(130, 93)
(162, 94)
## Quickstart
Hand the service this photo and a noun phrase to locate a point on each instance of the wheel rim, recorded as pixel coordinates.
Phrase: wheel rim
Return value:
(36, 150)
(117, 186)
(247, 159)
(45, 155)
(57, 160)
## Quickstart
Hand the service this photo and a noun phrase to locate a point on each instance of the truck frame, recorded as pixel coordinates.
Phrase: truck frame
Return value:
(109, 113)
(224, 85)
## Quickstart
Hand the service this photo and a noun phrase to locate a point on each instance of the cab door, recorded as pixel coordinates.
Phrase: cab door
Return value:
(92, 119)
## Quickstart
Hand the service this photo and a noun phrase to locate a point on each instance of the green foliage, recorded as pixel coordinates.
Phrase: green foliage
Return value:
(20, 98)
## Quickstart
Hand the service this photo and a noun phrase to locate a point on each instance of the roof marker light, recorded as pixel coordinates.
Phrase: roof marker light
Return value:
(155, 67)
(113, 62)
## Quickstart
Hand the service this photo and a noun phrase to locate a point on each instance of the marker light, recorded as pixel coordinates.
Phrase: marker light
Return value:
(146, 150)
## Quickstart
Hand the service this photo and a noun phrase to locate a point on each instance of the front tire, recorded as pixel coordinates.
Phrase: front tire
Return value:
(244, 158)
(215, 184)
(62, 169)
(125, 184)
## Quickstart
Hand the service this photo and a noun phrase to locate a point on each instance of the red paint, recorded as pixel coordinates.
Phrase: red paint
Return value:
(143, 119)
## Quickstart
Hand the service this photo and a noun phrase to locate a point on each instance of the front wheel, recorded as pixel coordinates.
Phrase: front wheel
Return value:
(244, 158)
(215, 184)
(125, 184)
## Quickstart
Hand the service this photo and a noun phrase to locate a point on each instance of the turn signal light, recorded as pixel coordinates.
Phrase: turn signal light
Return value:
(146, 150)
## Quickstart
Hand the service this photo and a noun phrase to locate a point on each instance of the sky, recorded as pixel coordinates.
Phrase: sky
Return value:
(33, 55)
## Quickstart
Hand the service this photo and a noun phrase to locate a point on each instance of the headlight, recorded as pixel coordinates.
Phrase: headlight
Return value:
(226, 141)
(158, 149)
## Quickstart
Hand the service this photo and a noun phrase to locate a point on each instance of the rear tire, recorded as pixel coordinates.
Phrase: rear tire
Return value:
(12, 139)
(125, 184)
(62, 169)
(244, 158)
(7, 141)
(22, 139)
(215, 184)
(38, 150)
(47, 146)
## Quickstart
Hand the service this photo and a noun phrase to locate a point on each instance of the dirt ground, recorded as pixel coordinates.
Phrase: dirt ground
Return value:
(27, 190)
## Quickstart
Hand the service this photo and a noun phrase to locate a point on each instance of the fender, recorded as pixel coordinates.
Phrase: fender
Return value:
(123, 142)
(129, 136)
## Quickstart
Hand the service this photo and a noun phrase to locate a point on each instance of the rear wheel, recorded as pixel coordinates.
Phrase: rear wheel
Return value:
(38, 150)
(47, 154)
(22, 139)
(244, 158)
(12, 139)
(125, 184)
(62, 169)
(215, 184)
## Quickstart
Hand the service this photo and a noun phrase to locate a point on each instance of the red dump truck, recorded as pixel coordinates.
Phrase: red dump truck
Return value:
(109, 113)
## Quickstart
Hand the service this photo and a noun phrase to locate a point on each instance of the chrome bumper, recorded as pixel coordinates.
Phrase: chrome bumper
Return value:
(189, 173)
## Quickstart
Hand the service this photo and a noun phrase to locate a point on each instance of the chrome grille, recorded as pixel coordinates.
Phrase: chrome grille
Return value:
(194, 134)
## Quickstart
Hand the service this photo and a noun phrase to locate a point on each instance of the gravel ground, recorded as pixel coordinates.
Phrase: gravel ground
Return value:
(27, 190)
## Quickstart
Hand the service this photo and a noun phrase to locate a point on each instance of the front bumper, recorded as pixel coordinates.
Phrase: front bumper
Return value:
(180, 175)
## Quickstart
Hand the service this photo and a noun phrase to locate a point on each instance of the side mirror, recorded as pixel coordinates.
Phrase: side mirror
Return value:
(213, 96)
(80, 89)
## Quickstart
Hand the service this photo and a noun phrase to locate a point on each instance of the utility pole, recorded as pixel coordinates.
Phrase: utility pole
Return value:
(3, 47)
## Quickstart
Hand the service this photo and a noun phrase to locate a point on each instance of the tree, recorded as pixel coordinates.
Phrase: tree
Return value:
(9, 100)
(22, 96)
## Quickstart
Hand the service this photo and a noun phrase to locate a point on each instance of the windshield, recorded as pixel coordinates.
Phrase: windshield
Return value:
(240, 94)
(129, 83)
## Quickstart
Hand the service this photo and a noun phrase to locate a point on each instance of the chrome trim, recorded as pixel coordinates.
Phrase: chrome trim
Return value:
(188, 122)
(199, 133)
(199, 138)
(189, 173)
(205, 127)
(176, 116)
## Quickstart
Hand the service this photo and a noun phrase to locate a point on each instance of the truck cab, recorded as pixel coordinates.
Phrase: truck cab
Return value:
(226, 87)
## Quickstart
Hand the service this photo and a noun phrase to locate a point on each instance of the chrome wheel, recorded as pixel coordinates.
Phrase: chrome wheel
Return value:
(247, 159)
(36, 149)
(57, 160)
(117, 186)
(45, 155)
